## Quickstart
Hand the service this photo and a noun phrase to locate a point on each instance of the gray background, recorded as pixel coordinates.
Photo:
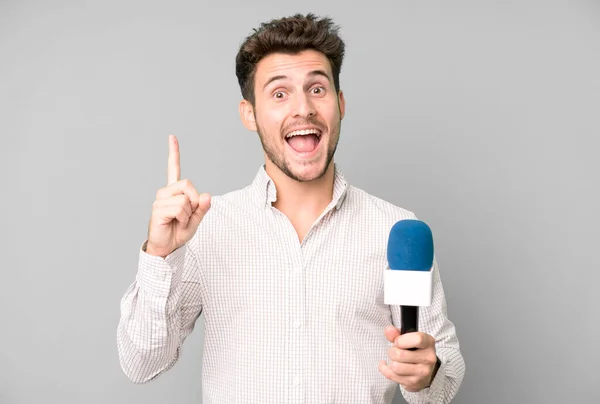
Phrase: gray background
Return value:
(482, 118)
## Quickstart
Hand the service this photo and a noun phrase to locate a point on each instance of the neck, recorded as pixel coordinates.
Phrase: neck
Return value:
(302, 198)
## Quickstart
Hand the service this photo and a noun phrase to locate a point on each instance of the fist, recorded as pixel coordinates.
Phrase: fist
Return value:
(177, 210)
(412, 359)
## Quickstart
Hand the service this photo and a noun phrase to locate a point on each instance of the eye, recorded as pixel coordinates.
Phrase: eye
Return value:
(318, 90)
(279, 95)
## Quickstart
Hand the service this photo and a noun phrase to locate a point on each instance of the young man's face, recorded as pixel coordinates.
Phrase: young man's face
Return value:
(296, 92)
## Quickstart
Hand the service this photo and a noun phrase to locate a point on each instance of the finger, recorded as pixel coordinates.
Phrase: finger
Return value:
(404, 369)
(183, 217)
(173, 169)
(190, 191)
(409, 382)
(167, 210)
(391, 333)
(179, 213)
(176, 200)
(417, 340)
(203, 207)
(184, 202)
(166, 214)
(405, 355)
(387, 372)
(180, 187)
(204, 201)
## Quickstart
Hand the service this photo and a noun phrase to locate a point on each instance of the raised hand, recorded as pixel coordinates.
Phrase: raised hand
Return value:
(177, 210)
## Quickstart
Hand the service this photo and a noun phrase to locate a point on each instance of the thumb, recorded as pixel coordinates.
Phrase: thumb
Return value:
(391, 333)
(201, 209)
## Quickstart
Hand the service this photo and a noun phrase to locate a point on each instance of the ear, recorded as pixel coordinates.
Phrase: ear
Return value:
(342, 102)
(247, 115)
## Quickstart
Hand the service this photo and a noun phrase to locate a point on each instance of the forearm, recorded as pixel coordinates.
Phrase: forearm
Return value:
(150, 332)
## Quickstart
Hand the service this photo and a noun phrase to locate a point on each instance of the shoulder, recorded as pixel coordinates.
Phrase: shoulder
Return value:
(239, 196)
(231, 206)
(376, 206)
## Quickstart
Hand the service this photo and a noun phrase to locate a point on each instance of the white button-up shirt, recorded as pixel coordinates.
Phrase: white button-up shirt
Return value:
(285, 321)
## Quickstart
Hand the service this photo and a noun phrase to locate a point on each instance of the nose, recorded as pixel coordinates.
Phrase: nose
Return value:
(303, 107)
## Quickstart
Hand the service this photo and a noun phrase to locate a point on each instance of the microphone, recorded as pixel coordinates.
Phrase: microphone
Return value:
(409, 280)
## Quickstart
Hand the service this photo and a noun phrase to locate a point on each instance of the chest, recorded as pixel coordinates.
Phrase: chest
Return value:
(264, 272)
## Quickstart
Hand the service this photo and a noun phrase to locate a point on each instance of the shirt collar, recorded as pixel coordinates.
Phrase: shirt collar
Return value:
(266, 193)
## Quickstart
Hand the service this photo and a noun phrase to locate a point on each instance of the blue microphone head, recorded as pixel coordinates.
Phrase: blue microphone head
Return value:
(410, 246)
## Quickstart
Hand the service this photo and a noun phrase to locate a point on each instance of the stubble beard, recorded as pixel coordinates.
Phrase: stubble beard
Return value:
(283, 164)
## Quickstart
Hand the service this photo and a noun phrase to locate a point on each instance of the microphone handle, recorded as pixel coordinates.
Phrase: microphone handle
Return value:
(409, 320)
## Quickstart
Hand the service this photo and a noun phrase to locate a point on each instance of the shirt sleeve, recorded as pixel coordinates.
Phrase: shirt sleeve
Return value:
(158, 311)
(433, 320)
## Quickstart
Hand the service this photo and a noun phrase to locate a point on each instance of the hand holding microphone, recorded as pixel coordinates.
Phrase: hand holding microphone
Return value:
(408, 283)
(177, 210)
(413, 369)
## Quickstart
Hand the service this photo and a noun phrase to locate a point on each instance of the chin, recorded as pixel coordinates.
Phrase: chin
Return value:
(307, 172)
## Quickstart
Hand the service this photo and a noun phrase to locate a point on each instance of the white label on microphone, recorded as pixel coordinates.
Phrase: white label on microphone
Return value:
(407, 288)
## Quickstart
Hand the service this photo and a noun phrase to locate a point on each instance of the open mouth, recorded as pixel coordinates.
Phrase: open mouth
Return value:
(304, 140)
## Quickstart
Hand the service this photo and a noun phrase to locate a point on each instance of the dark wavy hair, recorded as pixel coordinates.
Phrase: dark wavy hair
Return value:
(289, 35)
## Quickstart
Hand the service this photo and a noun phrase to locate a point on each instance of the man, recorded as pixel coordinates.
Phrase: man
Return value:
(288, 272)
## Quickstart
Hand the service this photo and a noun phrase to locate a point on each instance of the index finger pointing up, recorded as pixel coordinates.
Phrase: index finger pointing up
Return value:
(173, 169)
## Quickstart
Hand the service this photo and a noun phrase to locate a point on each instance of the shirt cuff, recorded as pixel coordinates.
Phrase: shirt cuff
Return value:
(156, 274)
(429, 394)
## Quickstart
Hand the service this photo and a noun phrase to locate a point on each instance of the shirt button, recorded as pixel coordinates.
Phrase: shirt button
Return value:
(296, 380)
(296, 324)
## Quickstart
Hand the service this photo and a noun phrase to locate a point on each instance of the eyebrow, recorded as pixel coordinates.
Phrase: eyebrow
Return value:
(311, 74)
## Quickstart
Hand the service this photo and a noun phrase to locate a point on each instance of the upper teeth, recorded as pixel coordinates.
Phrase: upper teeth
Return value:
(304, 132)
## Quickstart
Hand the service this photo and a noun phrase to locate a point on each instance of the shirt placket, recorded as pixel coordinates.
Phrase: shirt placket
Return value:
(297, 340)
(296, 312)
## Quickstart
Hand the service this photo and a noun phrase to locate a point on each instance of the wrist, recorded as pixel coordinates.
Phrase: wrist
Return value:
(147, 248)
(438, 363)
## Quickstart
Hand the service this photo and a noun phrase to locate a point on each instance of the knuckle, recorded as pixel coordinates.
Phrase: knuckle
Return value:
(399, 354)
(182, 199)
